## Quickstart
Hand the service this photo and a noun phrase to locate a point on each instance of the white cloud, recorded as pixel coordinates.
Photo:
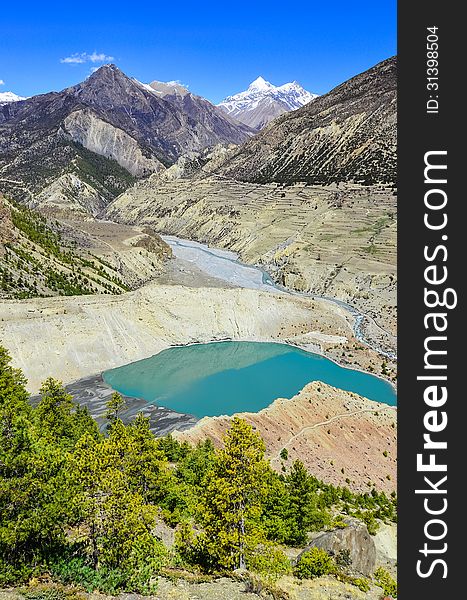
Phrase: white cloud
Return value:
(79, 58)
(2, 82)
(74, 59)
(94, 57)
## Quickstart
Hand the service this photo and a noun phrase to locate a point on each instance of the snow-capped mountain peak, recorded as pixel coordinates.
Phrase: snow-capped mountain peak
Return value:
(260, 84)
(7, 97)
(263, 101)
(293, 85)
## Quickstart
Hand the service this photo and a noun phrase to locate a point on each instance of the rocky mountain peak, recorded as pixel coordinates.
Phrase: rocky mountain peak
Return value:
(110, 82)
(109, 125)
(105, 70)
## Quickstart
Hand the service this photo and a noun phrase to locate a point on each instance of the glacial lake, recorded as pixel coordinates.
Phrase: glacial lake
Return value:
(223, 378)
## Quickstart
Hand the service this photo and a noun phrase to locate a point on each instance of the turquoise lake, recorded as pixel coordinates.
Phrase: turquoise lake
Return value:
(223, 378)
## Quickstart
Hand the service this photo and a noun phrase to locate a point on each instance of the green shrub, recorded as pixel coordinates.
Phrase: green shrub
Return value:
(343, 558)
(14, 575)
(362, 583)
(145, 562)
(76, 571)
(270, 562)
(338, 523)
(314, 563)
(190, 549)
(137, 576)
(369, 519)
(257, 584)
(384, 580)
(44, 594)
(49, 591)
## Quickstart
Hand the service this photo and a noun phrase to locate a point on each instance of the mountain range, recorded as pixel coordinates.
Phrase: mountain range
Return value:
(80, 148)
(92, 139)
(262, 102)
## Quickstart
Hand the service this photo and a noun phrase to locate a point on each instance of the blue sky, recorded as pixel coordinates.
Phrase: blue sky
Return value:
(217, 48)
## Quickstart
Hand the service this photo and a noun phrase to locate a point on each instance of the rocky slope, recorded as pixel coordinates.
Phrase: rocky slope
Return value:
(203, 112)
(348, 134)
(104, 131)
(262, 102)
(342, 438)
(102, 138)
(40, 257)
(191, 166)
(337, 239)
(223, 588)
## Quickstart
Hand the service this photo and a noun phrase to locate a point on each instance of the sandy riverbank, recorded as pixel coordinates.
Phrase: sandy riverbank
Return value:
(74, 337)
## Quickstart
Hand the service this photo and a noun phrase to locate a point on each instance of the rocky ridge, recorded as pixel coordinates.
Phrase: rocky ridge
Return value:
(203, 112)
(332, 241)
(342, 438)
(43, 257)
(63, 338)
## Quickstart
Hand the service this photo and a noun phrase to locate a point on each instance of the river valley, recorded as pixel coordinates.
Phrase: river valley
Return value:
(207, 295)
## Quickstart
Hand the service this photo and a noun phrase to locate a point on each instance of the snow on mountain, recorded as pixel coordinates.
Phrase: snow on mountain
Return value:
(263, 101)
(7, 97)
(261, 85)
(108, 119)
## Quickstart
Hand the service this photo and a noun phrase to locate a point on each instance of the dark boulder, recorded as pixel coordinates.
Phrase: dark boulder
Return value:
(353, 539)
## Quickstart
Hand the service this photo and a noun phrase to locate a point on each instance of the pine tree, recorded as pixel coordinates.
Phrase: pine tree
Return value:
(34, 502)
(304, 512)
(53, 413)
(193, 467)
(232, 502)
(14, 403)
(114, 407)
(110, 503)
(276, 513)
(144, 463)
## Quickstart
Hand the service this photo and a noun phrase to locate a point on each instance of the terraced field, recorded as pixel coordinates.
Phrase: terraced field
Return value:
(336, 241)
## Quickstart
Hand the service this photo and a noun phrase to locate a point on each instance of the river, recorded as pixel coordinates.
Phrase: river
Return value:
(225, 265)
